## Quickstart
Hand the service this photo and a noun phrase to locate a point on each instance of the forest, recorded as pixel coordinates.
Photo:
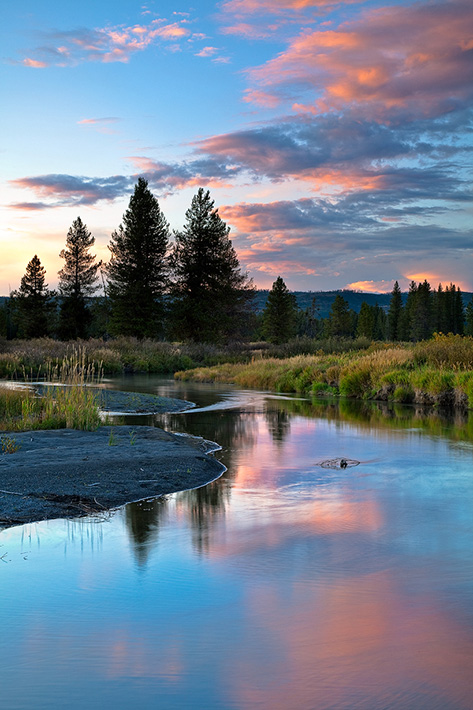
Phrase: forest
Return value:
(189, 287)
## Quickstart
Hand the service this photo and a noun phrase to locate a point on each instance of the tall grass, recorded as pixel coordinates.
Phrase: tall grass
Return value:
(436, 372)
(125, 354)
(67, 401)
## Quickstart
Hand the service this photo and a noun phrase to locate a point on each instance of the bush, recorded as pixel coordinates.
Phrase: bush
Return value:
(403, 394)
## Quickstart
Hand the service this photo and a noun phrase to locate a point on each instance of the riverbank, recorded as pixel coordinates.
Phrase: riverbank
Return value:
(438, 372)
(66, 473)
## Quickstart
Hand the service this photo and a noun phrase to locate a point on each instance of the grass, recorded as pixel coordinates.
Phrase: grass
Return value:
(126, 354)
(67, 402)
(436, 372)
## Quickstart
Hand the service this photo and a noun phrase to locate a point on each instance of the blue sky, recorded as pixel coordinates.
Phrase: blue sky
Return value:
(334, 138)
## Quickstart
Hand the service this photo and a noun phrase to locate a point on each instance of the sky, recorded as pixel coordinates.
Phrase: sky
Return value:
(335, 137)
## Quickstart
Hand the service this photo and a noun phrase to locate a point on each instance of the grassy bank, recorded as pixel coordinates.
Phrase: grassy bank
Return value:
(435, 372)
(69, 403)
(35, 357)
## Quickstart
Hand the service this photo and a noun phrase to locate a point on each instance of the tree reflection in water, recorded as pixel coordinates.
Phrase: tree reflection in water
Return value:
(278, 420)
(233, 428)
(143, 520)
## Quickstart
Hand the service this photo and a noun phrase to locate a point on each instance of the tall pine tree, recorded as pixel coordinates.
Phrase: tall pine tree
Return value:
(33, 304)
(211, 296)
(366, 321)
(469, 318)
(341, 321)
(77, 282)
(395, 314)
(138, 269)
(280, 314)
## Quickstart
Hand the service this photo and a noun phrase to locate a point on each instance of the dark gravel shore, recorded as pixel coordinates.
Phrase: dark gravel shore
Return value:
(66, 473)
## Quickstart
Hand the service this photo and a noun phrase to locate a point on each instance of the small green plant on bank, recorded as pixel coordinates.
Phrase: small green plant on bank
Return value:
(9, 444)
(112, 440)
(132, 437)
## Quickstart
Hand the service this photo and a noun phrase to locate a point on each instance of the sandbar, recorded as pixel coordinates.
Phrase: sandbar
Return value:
(66, 473)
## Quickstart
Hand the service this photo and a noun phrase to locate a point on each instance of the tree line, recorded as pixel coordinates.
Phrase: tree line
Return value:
(194, 289)
(425, 311)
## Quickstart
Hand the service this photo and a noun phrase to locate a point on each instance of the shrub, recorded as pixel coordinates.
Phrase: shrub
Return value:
(403, 394)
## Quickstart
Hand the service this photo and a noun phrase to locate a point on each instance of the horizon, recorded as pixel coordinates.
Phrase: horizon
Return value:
(335, 137)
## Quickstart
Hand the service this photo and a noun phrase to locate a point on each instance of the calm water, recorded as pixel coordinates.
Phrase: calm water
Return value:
(283, 585)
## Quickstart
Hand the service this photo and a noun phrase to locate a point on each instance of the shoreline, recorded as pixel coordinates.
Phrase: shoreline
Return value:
(64, 473)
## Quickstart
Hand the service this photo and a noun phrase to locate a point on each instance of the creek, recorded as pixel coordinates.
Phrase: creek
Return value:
(282, 585)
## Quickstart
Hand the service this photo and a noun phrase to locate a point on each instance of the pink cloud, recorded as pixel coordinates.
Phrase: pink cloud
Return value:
(93, 121)
(415, 60)
(34, 63)
(207, 52)
(245, 7)
(108, 44)
(371, 286)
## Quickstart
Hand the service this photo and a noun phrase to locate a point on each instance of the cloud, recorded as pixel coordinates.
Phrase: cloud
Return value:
(322, 236)
(34, 63)
(108, 44)
(168, 177)
(341, 154)
(395, 62)
(70, 190)
(246, 7)
(93, 121)
(30, 206)
(371, 286)
(207, 52)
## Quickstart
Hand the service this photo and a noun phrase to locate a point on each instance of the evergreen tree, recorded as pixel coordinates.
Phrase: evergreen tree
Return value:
(380, 323)
(366, 321)
(421, 313)
(138, 269)
(407, 312)
(439, 310)
(3, 320)
(395, 314)
(77, 281)
(454, 310)
(459, 312)
(280, 314)
(469, 318)
(211, 296)
(308, 322)
(340, 322)
(33, 303)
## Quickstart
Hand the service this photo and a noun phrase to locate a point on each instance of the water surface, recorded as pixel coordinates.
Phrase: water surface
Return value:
(281, 585)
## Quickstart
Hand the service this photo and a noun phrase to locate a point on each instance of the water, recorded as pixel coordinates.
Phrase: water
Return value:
(282, 585)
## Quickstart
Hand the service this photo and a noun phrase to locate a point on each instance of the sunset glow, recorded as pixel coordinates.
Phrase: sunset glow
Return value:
(333, 136)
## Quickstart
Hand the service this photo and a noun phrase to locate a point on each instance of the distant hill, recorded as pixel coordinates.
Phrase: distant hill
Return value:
(324, 299)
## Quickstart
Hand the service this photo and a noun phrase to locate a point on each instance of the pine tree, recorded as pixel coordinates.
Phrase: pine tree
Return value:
(138, 269)
(407, 312)
(211, 296)
(308, 321)
(469, 318)
(340, 322)
(77, 281)
(366, 321)
(395, 314)
(380, 323)
(33, 303)
(280, 314)
(439, 312)
(459, 312)
(421, 313)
